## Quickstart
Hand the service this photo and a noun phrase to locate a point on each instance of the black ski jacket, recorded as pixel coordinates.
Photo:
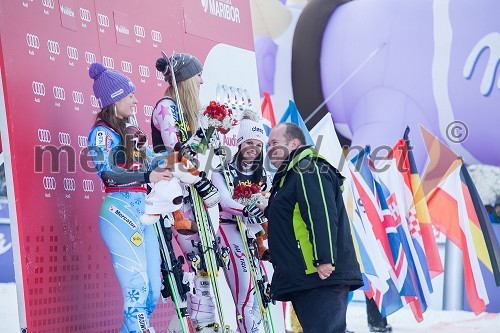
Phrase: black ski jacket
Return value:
(308, 226)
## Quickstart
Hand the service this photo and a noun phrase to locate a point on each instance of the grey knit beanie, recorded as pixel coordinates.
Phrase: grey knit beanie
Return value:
(185, 67)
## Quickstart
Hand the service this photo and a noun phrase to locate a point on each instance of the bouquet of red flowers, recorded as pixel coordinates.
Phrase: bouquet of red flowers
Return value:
(247, 194)
(219, 117)
(215, 117)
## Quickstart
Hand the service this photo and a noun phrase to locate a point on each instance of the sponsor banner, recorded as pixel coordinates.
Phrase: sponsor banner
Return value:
(47, 47)
(123, 30)
(69, 12)
(225, 21)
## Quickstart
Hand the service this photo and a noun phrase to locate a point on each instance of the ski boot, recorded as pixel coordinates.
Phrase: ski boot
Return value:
(380, 329)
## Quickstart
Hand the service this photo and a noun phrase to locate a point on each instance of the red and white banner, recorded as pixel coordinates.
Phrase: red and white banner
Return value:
(63, 268)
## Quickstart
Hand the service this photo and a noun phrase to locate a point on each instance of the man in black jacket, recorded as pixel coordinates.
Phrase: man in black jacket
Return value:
(310, 238)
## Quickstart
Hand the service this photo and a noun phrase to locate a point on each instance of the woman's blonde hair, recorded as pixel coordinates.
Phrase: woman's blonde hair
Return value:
(190, 100)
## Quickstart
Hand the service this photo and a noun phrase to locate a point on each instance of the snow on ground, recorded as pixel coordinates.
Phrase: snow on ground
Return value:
(434, 321)
(402, 321)
(8, 308)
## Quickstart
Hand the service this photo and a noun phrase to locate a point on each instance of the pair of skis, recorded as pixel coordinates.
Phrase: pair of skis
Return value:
(174, 280)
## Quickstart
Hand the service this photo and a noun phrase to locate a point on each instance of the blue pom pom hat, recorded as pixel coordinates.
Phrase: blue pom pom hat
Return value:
(109, 86)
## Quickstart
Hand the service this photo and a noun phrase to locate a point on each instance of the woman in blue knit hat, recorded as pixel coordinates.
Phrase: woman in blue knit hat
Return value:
(124, 164)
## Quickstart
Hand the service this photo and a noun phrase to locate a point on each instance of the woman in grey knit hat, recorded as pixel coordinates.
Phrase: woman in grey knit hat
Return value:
(166, 134)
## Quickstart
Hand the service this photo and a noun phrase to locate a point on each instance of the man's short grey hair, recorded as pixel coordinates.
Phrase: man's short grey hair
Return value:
(293, 131)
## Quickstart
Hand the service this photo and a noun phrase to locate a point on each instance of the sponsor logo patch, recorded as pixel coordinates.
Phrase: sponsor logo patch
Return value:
(123, 217)
(100, 138)
(136, 239)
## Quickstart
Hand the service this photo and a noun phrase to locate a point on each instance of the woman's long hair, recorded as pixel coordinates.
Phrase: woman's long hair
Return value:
(108, 115)
(190, 100)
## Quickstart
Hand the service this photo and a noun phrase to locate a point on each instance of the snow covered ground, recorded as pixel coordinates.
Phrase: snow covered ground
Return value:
(8, 308)
(402, 321)
(434, 321)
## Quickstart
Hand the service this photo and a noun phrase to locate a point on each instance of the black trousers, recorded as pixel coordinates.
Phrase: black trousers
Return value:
(322, 310)
(374, 317)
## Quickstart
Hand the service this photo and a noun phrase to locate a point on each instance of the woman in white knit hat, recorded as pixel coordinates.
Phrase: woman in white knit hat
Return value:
(247, 168)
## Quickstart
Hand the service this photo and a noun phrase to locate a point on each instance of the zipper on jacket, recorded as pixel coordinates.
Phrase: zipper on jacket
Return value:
(301, 255)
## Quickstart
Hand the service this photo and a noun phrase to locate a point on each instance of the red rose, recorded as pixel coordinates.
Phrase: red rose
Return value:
(255, 188)
(247, 192)
(219, 114)
(238, 191)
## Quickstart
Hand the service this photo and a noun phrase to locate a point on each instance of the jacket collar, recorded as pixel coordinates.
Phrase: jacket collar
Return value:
(295, 157)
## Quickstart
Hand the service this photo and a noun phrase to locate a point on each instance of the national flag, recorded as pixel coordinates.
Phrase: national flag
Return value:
(267, 113)
(453, 212)
(327, 142)
(374, 265)
(292, 115)
(397, 197)
(364, 184)
(440, 157)
(490, 239)
(427, 247)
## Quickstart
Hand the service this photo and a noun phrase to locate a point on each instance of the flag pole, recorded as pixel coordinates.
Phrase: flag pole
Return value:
(453, 288)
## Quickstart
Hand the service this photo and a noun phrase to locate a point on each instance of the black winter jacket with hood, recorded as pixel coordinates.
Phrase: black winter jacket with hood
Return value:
(308, 226)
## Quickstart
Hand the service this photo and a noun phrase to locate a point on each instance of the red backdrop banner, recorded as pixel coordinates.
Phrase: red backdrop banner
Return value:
(46, 48)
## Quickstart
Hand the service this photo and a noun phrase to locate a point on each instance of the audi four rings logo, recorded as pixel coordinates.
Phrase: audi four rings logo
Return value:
(48, 3)
(85, 15)
(139, 31)
(77, 97)
(38, 88)
(103, 20)
(88, 185)
(143, 70)
(82, 141)
(159, 76)
(127, 67)
(49, 183)
(108, 62)
(69, 184)
(93, 101)
(59, 93)
(156, 36)
(33, 41)
(53, 47)
(89, 57)
(72, 52)
(148, 110)
(64, 139)
(44, 135)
